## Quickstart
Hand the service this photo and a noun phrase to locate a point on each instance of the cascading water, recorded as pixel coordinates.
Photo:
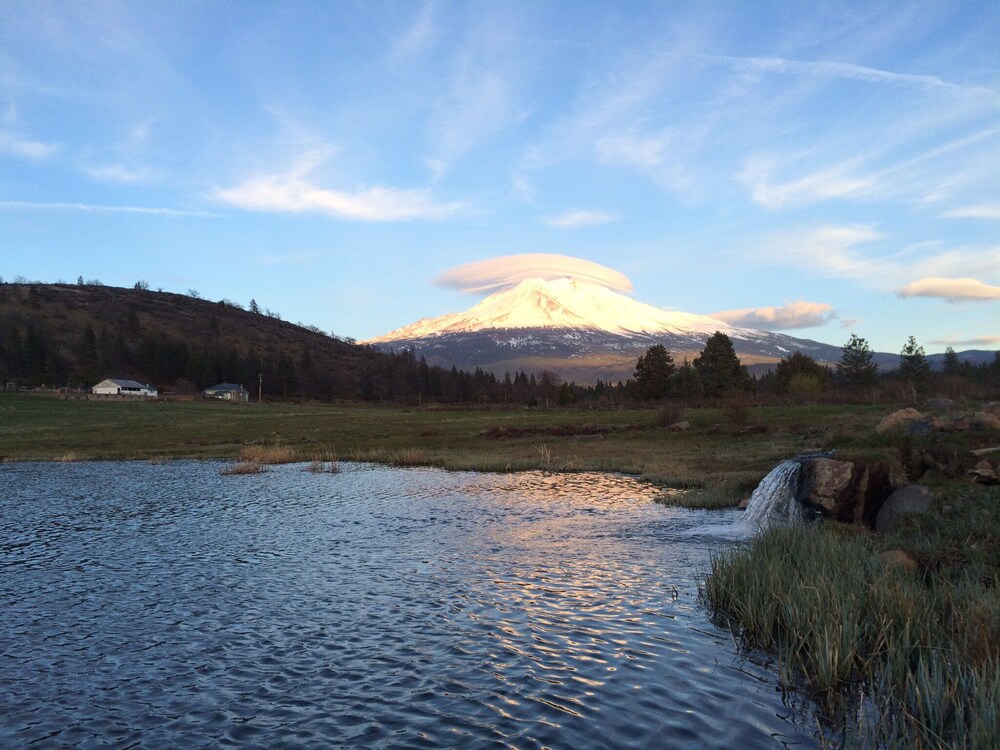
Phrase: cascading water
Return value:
(773, 503)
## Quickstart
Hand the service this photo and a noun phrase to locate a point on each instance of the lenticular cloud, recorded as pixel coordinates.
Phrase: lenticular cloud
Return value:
(510, 270)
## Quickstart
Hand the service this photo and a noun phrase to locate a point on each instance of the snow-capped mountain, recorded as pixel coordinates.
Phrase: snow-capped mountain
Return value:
(580, 330)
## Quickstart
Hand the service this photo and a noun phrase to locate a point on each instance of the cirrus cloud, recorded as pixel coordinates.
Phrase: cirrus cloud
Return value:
(577, 219)
(296, 192)
(799, 314)
(509, 270)
(950, 289)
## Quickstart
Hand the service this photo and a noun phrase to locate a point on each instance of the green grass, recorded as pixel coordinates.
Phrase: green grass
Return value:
(717, 451)
(923, 646)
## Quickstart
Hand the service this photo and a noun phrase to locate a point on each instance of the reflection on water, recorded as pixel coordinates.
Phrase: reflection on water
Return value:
(166, 606)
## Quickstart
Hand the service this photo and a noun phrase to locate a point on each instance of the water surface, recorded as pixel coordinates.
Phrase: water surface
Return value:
(168, 606)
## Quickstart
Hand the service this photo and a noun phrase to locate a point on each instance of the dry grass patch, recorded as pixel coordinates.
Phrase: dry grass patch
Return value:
(269, 454)
(68, 457)
(243, 467)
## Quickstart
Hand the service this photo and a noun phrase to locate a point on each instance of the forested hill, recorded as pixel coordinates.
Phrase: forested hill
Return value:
(78, 334)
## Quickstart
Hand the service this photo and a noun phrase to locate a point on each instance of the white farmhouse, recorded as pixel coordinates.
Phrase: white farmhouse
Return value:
(112, 387)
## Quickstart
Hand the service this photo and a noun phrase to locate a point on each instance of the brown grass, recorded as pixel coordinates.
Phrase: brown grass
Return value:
(243, 467)
(269, 454)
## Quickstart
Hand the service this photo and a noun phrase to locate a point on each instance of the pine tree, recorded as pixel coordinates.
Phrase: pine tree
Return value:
(857, 368)
(951, 364)
(720, 368)
(913, 366)
(801, 373)
(652, 373)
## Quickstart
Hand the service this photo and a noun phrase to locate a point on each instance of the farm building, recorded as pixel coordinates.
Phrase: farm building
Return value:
(228, 392)
(113, 387)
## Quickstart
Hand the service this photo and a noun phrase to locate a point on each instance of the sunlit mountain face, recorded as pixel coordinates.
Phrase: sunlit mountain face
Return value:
(581, 330)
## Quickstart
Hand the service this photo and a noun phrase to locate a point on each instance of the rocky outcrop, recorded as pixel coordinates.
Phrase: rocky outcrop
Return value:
(984, 473)
(910, 499)
(850, 492)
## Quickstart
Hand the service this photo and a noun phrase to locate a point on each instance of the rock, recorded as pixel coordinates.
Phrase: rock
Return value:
(826, 484)
(910, 499)
(744, 503)
(984, 473)
(958, 424)
(897, 558)
(923, 427)
(940, 403)
(985, 420)
(898, 418)
(679, 426)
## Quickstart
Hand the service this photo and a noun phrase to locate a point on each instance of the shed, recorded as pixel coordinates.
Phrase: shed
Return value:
(114, 387)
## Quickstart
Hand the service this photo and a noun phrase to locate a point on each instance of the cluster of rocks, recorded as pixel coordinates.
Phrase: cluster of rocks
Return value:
(987, 418)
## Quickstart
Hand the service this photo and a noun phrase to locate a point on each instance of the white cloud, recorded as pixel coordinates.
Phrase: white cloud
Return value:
(121, 173)
(295, 192)
(25, 148)
(851, 252)
(838, 181)
(509, 270)
(101, 209)
(984, 211)
(799, 314)
(951, 289)
(577, 219)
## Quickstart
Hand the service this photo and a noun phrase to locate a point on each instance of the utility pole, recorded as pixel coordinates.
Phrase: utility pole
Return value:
(260, 385)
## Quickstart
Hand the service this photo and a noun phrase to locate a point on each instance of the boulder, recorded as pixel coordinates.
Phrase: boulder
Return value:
(898, 418)
(985, 420)
(984, 473)
(894, 558)
(679, 426)
(910, 499)
(826, 485)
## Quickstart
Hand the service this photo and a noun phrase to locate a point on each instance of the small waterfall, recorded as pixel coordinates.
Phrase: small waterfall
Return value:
(773, 503)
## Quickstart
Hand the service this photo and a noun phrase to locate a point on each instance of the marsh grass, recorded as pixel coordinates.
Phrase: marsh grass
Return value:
(712, 497)
(68, 457)
(926, 648)
(269, 454)
(324, 462)
(243, 467)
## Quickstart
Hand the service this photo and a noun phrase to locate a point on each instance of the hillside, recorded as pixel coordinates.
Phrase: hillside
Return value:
(75, 335)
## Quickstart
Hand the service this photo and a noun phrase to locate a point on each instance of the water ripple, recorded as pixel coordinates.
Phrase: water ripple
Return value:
(163, 605)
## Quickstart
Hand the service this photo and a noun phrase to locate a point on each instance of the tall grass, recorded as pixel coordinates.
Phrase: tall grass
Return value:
(839, 617)
(269, 454)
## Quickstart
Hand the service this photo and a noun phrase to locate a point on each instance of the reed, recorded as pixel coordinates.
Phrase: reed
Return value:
(269, 454)
(243, 467)
(324, 462)
(839, 617)
(67, 457)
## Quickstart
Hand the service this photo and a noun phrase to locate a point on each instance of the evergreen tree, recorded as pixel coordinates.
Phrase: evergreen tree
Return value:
(857, 368)
(652, 373)
(913, 366)
(951, 364)
(686, 383)
(720, 368)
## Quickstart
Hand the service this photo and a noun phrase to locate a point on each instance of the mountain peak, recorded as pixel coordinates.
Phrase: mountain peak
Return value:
(564, 303)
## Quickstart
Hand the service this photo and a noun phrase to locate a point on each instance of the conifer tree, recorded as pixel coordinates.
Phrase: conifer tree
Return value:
(720, 368)
(857, 368)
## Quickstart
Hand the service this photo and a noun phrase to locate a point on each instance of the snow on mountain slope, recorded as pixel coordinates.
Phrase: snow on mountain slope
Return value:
(562, 304)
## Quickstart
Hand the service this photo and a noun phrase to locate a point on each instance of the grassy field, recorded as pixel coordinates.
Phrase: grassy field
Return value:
(726, 449)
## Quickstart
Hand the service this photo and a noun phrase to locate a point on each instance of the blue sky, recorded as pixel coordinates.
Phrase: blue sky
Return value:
(818, 168)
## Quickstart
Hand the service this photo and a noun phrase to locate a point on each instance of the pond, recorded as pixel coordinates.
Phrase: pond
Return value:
(164, 605)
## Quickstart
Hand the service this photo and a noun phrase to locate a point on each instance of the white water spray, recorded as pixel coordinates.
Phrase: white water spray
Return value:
(773, 503)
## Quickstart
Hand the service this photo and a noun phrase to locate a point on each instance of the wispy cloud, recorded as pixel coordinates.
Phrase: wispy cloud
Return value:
(951, 289)
(120, 173)
(799, 314)
(858, 252)
(849, 71)
(838, 181)
(102, 209)
(509, 270)
(577, 219)
(26, 148)
(296, 192)
(983, 211)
